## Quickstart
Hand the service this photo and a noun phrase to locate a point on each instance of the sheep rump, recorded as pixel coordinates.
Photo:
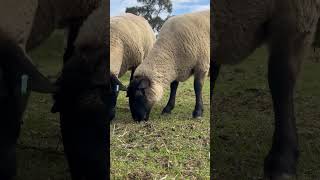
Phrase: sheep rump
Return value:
(131, 39)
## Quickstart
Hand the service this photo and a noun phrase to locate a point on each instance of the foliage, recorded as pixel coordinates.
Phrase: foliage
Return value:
(152, 10)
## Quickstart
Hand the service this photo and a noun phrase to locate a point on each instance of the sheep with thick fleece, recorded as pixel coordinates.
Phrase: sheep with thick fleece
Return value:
(181, 50)
(131, 39)
(288, 28)
(24, 25)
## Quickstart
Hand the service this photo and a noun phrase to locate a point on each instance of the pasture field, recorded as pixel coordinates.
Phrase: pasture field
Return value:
(243, 113)
(40, 155)
(171, 146)
(166, 146)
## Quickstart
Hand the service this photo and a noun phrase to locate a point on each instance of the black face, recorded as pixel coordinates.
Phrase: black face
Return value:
(83, 101)
(139, 105)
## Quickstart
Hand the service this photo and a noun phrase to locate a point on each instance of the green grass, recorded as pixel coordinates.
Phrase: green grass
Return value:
(172, 146)
(244, 120)
(40, 155)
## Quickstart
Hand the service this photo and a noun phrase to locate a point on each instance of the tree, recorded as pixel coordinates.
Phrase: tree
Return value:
(152, 10)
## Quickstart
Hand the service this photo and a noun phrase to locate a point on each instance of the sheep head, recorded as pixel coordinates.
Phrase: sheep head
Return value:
(140, 103)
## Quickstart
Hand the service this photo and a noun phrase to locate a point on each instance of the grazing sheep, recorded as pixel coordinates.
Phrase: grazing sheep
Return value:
(288, 28)
(131, 39)
(24, 25)
(181, 50)
(83, 99)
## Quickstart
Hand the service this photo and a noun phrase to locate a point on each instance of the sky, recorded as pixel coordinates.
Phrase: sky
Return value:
(179, 6)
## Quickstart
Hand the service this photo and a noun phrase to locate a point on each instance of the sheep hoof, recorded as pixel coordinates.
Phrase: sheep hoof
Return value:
(280, 166)
(281, 177)
(197, 114)
(165, 111)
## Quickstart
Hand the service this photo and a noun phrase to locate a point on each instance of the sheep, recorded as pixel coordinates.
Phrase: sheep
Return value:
(24, 25)
(181, 50)
(288, 29)
(131, 39)
(83, 98)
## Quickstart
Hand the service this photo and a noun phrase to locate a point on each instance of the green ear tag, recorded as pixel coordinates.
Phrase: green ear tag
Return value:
(24, 84)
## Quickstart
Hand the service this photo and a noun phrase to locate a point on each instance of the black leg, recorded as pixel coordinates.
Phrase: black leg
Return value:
(172, 99)
(72, 35)
(214, 72)
(198, 84)
(284, 63)
(12, 106)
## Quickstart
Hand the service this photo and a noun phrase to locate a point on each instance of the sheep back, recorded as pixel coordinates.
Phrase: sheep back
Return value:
(182, 48)
(131, 39)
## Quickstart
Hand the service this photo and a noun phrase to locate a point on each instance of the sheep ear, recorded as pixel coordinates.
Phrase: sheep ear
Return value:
(144, 83)
(23, 68)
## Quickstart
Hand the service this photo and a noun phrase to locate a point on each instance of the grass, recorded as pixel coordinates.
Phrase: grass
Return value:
(39, 153)
(171, 146)
(167, 146)
(244, 120)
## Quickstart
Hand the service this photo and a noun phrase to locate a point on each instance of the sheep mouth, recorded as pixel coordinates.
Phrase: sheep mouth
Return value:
(140, 118)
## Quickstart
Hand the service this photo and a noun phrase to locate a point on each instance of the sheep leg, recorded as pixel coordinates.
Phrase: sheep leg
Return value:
(172, 99)
(215, 72)
(198, 84)
(286, 53)
(12, 106)
(73, 31)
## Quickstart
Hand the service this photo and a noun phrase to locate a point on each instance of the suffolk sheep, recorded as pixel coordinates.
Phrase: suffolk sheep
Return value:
(288, 29)
(131, 39)
(181, 50)
(83, 98)
(24, 25)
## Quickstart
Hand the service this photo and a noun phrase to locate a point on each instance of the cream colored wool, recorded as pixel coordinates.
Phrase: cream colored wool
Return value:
(182, 49)
(242, 26)
(131, 39)
(29, 22)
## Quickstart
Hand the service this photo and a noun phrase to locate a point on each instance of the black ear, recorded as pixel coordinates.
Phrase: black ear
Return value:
(144, 83)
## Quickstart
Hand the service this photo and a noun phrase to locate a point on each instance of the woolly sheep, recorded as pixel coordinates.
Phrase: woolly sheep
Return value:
(181, 50)
(131, 39)
(83, 98)
(288, 28)
(23, 26)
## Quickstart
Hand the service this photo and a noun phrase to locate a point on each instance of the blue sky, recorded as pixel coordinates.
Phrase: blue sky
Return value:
(179, 6)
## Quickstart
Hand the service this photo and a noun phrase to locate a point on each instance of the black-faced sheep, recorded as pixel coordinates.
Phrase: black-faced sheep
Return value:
(181, 50)
(288, 28)
(23, 26)
(131, 39)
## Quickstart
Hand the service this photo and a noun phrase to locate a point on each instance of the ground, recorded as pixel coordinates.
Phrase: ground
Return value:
(40, 154)
(171, 146)
(167, 146)
(244, 119)
(177, 145)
